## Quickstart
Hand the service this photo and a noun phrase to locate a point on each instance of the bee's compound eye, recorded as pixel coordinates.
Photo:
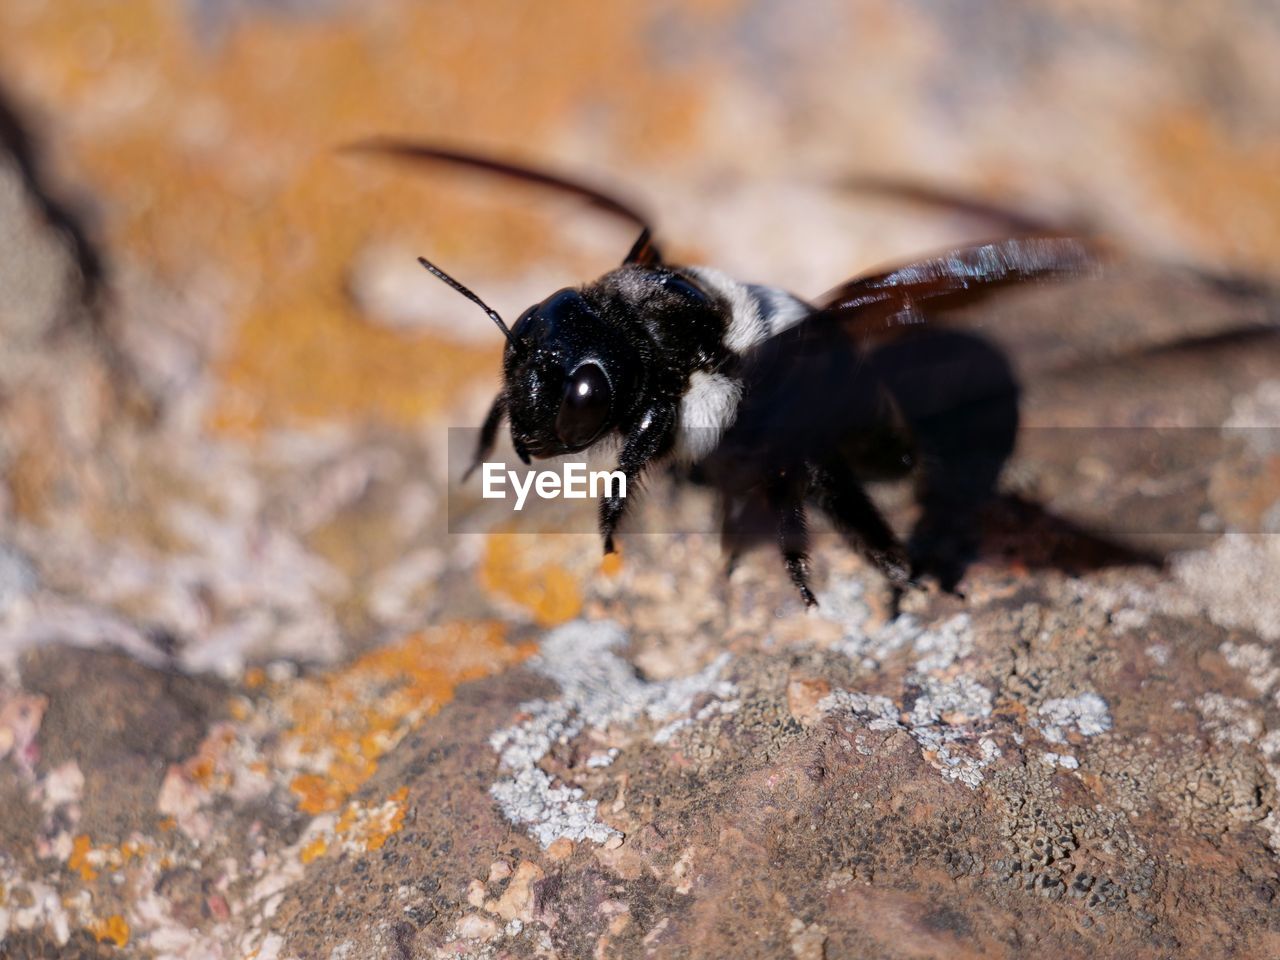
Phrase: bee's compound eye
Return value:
(585, 406)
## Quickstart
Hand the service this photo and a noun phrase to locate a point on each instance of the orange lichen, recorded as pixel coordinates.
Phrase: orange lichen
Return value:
(611, 565)
(201, 770)
(548, 590)
(317, 793)
(113, 929)
(81, 848)
(313, 850)
(366, 828)
(349, 719)
(89, 861)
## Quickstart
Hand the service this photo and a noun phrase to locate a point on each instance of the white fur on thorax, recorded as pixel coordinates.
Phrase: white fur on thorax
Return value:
(781, 309)
(707, 409)
(710, 402)
(756, 312)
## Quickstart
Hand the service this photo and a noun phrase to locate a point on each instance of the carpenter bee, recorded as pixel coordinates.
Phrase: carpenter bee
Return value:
(777, 403)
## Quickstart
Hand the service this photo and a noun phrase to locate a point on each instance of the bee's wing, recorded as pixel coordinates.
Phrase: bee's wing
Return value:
(829, 378)
(1006, 220)
(643, 251)
(1101, 307)
(882, 305)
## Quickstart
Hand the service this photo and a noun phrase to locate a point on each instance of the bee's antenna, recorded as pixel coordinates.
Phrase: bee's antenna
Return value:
(493, 314)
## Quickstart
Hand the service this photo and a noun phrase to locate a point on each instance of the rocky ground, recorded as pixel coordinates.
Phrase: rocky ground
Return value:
(257, 702)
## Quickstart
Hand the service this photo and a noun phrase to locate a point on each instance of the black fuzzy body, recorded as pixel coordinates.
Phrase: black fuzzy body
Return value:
(775, 405)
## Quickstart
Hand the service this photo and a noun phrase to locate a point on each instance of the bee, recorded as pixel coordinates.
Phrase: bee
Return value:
(777, 403)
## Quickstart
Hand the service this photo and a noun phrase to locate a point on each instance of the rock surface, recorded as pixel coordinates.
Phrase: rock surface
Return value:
(256, 701)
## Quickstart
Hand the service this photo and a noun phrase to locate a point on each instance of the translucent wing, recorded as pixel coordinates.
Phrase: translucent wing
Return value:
(879, 305)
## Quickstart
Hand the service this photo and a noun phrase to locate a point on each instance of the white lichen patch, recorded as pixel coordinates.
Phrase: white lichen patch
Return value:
(1234, 580)
(1064, 760)
(844, 602)
(950, 701)
(879, 713)
(956, 754)
(42, 909)
(1086, 714)
(599, 690)
(937, 648)
(943, 706)
(1255, 661)
(599, 760)
(948, 712)
(529, 796)
(1229, 719)
(943, 646)
(960, 754)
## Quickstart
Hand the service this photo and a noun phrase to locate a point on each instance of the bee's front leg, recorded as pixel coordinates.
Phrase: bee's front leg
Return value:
(650, 439)
(488, 433)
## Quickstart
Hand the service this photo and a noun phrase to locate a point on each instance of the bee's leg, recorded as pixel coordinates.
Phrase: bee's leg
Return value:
(948, 534)
(647, 442)
(730, 535)
(746, 520)
(959, 398)
(839, 494)
(786, 497)
(488, 433)
(957, 479)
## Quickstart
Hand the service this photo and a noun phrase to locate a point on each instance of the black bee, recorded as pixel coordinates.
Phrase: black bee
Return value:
(775, 402)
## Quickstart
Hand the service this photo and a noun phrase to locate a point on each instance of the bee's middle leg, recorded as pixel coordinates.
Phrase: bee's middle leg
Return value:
(786, 497)
(839, 494)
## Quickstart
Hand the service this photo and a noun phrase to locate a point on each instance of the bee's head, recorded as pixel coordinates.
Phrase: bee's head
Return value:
(565, 370)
